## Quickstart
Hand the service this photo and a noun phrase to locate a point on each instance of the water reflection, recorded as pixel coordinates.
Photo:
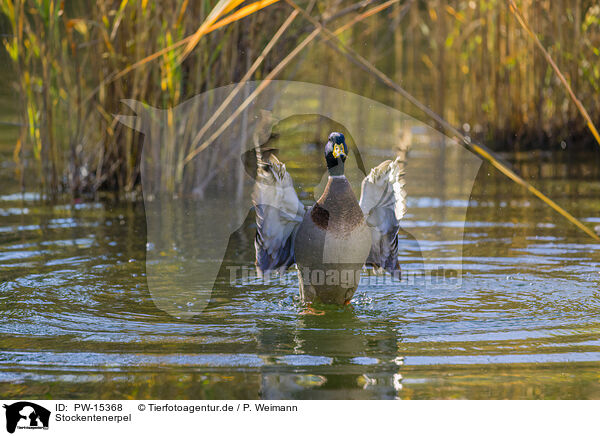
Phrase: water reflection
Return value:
(334, 356)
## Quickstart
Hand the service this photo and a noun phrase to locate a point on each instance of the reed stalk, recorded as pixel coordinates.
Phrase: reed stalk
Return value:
(584, 113)
(269, 78)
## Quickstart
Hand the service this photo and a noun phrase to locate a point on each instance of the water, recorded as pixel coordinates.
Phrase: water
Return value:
(78, 320)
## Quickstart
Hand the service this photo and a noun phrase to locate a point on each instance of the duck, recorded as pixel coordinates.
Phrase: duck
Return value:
(333, 240)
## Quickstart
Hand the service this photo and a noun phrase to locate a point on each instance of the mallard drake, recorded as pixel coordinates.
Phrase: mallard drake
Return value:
(331, 241)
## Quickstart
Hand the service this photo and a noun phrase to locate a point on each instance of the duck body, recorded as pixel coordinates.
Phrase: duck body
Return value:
(332, 245)
(333, 240)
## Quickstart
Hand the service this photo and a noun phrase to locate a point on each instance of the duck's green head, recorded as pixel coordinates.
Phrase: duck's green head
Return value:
(336, 152)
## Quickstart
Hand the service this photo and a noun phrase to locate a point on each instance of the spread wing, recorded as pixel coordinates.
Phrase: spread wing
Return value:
(383, 202)
(279, 212)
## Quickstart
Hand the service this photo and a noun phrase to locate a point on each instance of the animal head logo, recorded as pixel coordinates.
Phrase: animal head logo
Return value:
(26, 415)
(197, 193)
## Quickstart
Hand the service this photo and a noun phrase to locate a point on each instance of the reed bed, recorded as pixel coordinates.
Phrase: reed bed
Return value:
(472, 62)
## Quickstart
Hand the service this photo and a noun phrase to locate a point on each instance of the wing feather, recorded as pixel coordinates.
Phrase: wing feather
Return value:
(383, 202)
(279, 212)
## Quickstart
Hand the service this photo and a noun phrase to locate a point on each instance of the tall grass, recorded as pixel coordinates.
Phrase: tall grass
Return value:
(63, 54)
(470, 61)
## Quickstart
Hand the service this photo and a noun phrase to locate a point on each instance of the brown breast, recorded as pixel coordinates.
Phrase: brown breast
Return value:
(337, 210)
